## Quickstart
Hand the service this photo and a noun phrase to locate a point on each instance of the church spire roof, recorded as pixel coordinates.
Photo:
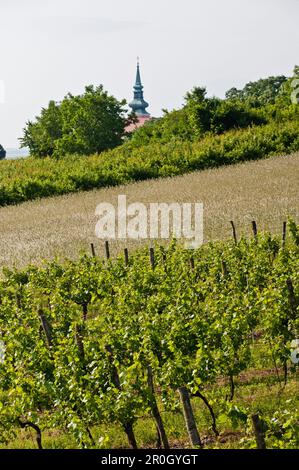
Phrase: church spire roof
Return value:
(138, 78)
(138, 104)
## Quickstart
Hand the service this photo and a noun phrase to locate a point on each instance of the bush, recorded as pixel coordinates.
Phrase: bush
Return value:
(22, 180)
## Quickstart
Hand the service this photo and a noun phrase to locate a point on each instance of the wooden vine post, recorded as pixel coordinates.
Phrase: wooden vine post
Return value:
(254, 228)
(189, 417)
(192, 263)
(92, 250)
(164, 260)
(259, 431)
(224, 268)
(126, 253)
(152, 257)
(284, 233)
(47, 329)
(107, 250)
(234, 231)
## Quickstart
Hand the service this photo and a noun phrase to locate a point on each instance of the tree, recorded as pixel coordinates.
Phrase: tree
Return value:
(289, 91)
(259, 93)
(216, 115)
(83, 124)
(199, 110)
(40, 136)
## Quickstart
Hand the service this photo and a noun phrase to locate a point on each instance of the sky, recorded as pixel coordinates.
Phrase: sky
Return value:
(51, 47)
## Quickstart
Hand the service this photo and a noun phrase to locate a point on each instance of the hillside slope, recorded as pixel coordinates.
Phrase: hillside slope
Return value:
(265, 190)
(31, 178)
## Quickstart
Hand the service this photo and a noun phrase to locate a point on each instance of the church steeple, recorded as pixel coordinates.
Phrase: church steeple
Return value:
(138, 104)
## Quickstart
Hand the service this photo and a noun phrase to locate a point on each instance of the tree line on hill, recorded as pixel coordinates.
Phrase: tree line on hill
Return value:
(96, 121)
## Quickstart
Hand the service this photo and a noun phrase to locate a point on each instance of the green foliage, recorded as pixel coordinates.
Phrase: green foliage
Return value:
(82, 124)
(294, 231)
(34, 178)
(199, 116)
(40, 136)
(190, 326)
(261, 92)
(94, 121)
(259, 102)
(283, 429)
(173, 125)
(217, 116)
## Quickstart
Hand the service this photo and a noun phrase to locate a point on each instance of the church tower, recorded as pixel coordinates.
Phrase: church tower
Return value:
(138, 104)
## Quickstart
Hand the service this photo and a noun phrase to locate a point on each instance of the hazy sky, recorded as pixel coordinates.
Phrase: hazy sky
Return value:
(50, 47)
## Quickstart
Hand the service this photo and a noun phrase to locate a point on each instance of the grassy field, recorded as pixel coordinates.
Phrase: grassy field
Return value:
(264, 190)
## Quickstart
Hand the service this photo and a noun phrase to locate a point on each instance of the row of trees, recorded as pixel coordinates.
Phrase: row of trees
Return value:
(95, 121)
(257, 103)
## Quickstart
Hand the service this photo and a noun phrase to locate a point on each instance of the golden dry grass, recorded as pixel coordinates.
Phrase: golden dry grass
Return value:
(266, 191)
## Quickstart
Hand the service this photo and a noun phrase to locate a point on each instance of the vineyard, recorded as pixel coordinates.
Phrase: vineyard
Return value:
(100, 343)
